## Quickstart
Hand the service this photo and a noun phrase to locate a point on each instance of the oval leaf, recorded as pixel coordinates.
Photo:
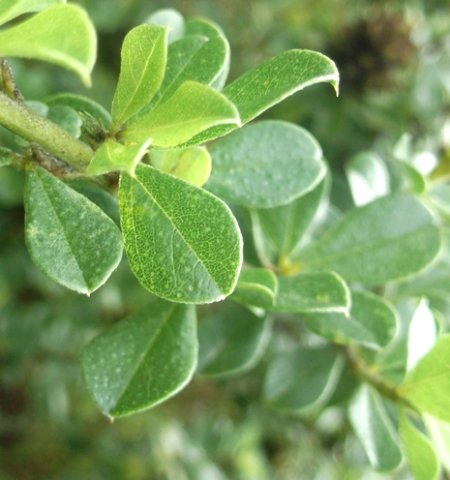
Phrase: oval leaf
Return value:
(419, 450)
(40, 38)
(374, 430)
(312, 292)
(69, 238)
(273, 81)
(168, 17)
(256, 287)
(144, 53)
(10, 9)
(428, 385)
(231, 341)
(387, 239)
(143, 360)
(303, 378)
(191, 109)
(266, 164)
(183, 243)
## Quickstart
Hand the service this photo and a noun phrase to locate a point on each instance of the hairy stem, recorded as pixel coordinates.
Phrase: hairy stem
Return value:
(29, 125)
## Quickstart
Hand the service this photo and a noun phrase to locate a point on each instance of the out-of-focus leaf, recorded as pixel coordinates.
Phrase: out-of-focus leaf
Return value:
(231, 341)
(303, 378)
(40, 38)
(67, 118)
(374, 430)
(256, 287)
(387, 239)
(266, 164)
(69, 238)
(170, 18)
(440, 434)
(142, 360)
(10, 9)
(183, 243)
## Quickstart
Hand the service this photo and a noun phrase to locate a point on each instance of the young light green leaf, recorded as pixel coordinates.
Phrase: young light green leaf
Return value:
(273, 81)
(40, 38)
(191, 109)
(303, 378)
(266, 164)
(427, 386)
(278, 231)
(231, 341)
(143, 360)
(114, 156)
(372, 322)
(81, 104)
(374, 430)
(10, 9)
(144, 53)
(183, 244)
(256, 287)
(385, 240)
(192, 164)
(440, 434)
(419, 450)
(170, 18)
(368, 177)
(312, 292)
(69, 238)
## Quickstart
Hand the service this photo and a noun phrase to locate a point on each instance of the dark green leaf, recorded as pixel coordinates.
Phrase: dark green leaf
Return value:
(372, 322)
(143, 360)
(374, 430)
(183, 243)
(67, 118)
(265, 164)
(303, 378)
(387, 239)
(144, 53)
(256, 287)
(40, 37)
(191, 109)
(231, 341)
(69, 238)
(428, 385)
(312, 292)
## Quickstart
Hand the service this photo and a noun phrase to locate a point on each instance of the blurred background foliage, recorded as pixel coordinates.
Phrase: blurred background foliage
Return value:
(394, 58)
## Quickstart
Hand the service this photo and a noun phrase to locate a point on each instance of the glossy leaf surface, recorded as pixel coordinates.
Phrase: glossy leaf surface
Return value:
(191, 109)
(183, 243)
(142, 360)
(69, 238)
(144, 53)
(387, 239)
(231, 341)
(265, 164)
(40, 38)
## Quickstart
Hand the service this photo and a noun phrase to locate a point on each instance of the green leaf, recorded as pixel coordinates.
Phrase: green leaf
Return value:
(143, 360)
(69, 238)
(183, 243)
(231, 341)
(419, 450)
(428, 385)
(144, 53)
(256, 287)
(303, 378)
(40, 37)
(113, 156)
(6, 157)
(312, 292)
(278, 231)
(385, 240)
(372, 322)
(168, 17)
(440, 196)
(440, 434)
(67, 118)
(10, 9)
(368, 177)
(190, 110)
(273, 81)
(81, 104)
(374, 430)
(192, 164)
(266, 164)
